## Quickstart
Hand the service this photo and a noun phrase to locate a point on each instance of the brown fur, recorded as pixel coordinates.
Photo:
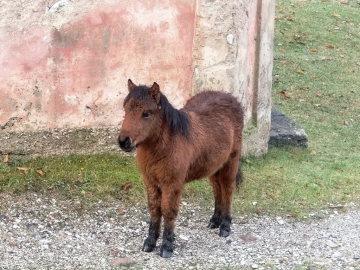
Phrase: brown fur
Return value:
(168, 159)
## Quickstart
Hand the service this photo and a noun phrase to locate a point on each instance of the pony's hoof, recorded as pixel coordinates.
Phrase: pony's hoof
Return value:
(212, 225)
(165, 253)
(224, 233)
(147, 248)
(166, 249)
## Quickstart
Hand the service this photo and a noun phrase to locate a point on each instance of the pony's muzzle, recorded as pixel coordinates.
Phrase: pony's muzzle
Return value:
(126, 144)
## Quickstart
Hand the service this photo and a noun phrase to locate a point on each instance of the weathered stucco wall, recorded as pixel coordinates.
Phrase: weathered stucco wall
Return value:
(64, 65)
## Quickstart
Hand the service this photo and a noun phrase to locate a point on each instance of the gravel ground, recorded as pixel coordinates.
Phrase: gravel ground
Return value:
(41, 232)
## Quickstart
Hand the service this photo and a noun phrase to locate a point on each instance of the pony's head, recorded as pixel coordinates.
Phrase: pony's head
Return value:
(142, 116)
(148, 113)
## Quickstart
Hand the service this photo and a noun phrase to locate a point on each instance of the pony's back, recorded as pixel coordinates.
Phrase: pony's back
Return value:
(212, 105)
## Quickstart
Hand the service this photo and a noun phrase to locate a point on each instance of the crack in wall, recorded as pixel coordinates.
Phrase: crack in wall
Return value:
(11, 122)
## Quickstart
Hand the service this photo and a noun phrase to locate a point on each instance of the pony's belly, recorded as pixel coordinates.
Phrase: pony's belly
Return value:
(204, 171)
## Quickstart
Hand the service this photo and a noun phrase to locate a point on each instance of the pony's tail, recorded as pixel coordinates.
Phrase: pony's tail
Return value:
(239, 178)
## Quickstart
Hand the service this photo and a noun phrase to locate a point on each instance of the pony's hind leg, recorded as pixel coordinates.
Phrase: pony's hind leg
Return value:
(154, 203)
(215, 220)
(224, 183)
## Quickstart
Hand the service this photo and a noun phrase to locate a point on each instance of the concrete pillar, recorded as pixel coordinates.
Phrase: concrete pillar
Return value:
(233, 52)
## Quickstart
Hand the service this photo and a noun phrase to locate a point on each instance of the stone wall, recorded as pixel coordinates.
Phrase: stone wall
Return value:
(64, 66)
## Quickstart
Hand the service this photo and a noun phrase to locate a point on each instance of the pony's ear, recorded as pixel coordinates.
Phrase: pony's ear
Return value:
(131, 85)
(155, 93)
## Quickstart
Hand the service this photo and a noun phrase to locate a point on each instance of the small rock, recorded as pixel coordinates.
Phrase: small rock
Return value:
(30, 226)
(2, 217)
(356, 256)
(122, 262)
(331, 244)
(56, 7)
(254, 266)
(183, 237)
(280, 220)
(336, 255)
(230, 38)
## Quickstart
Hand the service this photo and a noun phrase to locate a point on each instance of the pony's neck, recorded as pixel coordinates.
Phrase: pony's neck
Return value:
(159, 140)
(177, 121)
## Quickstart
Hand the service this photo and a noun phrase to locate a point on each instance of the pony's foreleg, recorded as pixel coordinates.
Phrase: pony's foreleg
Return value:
(154, 203)
(171, 196)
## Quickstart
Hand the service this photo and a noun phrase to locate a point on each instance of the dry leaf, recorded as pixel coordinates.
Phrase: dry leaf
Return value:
(312, 152)
(341, 112)
(121, 211)
(283, 94)
(40, 172)
(122, 262)
(248, 238)
(314, 78)
(293, 214)
(346, 123)
(318, 93)
(23, 169)
(298, 70)
(277, 18)
(313, 50)
(330, 46)
(114, 251)
(336, 15)
(126, 186)
(248, 162)
(6, 159)
(344, 3)
(259, 211)
(317, 105)
(289, 19)
(50, 188)
(282, 50)
(191, 192)
(285, 62)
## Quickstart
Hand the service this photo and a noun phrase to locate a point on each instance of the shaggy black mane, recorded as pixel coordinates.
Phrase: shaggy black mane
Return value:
(177, 120)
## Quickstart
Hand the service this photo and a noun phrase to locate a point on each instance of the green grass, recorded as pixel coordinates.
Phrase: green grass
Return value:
(88, 176)
(317, 66)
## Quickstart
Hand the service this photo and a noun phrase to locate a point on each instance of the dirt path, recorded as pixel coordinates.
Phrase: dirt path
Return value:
(38, 232)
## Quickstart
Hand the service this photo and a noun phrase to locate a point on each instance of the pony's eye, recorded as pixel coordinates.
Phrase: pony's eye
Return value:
(146, 114)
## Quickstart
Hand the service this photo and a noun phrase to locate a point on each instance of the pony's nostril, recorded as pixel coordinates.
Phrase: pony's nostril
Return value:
(126, 143)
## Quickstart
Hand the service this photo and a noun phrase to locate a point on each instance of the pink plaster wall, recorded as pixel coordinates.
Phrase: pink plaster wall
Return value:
(75, 75)
(65, 67)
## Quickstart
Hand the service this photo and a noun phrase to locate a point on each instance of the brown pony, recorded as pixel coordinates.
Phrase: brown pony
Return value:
(175, 147)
